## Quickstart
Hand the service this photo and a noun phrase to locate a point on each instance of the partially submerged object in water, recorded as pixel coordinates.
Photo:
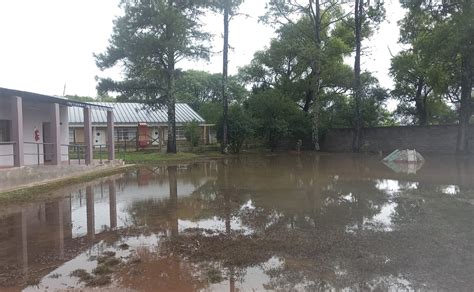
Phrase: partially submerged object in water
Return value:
(411, 156)
(404, 161)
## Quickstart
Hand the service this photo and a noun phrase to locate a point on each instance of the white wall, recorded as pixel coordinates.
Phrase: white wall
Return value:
(5, 114)
(99, 136)
(34, 115)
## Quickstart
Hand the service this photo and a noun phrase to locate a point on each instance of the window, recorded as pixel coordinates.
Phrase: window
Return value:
(72, 136)
(125, 134)
(5, 131)
(180, 133)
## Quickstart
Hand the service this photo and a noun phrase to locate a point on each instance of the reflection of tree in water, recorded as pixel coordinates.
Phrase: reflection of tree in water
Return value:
(314, 222)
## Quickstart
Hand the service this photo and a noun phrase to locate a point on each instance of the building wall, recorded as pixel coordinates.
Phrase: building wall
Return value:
(425, 139)
(34, 115)
(5, 114)
(153, 132)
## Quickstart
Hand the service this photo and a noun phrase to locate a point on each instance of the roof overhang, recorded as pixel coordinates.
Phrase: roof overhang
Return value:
(5, 92)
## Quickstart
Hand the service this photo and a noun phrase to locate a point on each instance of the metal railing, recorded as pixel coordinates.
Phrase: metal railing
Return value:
(9, 154)
(119, 150)
(38, 153)
(74, 151)
(78, 152)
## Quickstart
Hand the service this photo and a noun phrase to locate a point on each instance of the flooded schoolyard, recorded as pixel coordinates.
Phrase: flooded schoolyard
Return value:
(259, 222)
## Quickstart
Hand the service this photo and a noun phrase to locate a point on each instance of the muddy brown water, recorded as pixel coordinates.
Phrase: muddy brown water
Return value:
(270, 222)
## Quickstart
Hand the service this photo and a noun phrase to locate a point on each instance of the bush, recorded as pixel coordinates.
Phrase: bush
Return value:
(277, 118)
(240, 128)
(192, 133)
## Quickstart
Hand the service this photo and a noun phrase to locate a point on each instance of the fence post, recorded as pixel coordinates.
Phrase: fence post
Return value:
(38, 152)
(100, 153)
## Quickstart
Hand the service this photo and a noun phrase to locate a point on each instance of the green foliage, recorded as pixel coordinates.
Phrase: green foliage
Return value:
(285, 64)
(211, 112)
(148, 41)
(441, 59)
(277, 118)
(198, 88)
(240, 128)
(338, 108)
(103, 98)
(192, 133)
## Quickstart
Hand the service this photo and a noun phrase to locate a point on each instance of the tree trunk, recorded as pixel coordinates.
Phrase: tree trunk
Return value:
(316, 78)
(225, 100)
(420, 104)
(308, 99)
(171, 105)
(465, 110)
(356, 142)
(467, 59)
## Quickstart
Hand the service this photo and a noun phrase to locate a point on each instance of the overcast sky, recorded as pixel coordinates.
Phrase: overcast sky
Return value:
(46, 44)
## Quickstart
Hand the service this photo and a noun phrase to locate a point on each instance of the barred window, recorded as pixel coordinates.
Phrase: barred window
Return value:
(180, 133)
(72, 136)
(5, 131)
(125, 134)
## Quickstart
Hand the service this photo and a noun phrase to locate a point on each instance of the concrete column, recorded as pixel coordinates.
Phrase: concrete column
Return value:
(110, 134)
(113, 204)
(56, 134)
(17, 132)
(88, 139)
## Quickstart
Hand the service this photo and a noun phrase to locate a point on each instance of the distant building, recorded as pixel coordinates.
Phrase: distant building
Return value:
(135, 122)
(34, 128)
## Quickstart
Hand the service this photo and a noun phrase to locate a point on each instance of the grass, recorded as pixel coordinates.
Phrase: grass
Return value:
(153, 157)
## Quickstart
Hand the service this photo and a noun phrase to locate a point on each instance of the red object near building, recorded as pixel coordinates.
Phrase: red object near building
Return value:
(143, 137)
(37, 135)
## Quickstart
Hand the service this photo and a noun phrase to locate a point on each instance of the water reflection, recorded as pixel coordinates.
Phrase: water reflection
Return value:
(278, 222)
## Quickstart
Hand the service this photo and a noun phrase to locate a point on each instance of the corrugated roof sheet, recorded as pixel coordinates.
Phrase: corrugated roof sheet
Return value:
(134, 113)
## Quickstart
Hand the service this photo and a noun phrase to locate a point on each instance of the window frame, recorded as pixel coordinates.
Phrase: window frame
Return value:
(5, 131)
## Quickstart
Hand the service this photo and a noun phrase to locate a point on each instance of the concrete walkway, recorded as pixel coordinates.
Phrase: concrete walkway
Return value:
(21, 177)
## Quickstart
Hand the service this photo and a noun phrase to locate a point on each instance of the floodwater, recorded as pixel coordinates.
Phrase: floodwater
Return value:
(269, 222)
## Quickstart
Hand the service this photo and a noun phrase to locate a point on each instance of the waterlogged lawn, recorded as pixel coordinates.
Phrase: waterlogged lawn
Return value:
(308, 222)
(147, 157)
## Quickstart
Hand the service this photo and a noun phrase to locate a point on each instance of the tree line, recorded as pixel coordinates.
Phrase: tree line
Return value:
(300, 85)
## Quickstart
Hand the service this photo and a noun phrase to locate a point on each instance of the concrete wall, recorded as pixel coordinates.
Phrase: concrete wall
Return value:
(426, 139)
(34, 115)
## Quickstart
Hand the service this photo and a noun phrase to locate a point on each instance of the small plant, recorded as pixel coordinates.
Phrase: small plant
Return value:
(192, 133)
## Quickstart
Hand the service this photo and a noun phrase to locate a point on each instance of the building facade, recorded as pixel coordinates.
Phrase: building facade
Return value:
(134, 122)
(34, 128)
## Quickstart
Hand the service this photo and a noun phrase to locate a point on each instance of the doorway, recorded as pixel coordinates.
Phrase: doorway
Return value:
(48, 148)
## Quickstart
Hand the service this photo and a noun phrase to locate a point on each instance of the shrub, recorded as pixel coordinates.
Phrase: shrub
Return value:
(192, 133)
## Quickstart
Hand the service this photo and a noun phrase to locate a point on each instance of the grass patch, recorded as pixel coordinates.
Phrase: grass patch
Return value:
(147, 157)
(82, 274)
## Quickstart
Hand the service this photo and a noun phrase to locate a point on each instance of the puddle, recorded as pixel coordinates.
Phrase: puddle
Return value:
(326, 222)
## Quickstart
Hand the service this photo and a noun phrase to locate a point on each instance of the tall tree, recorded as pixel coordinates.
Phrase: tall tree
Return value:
(229, 9)
(364, 15)
(411, 85)
(447, 45)
(321, 16)
(149, 40)
(198, 88)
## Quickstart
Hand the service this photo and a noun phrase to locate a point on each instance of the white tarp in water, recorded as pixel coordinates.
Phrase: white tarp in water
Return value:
(411, 156)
